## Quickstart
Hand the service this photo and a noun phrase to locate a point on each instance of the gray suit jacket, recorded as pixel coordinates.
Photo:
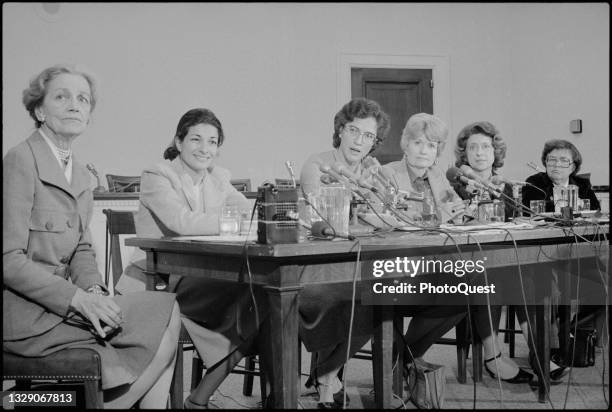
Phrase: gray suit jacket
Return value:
(168, 208)
(47, 250)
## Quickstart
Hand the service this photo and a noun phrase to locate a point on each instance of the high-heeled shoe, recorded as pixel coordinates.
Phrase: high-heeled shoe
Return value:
(557, 371)
(338, 396)
(522, 376)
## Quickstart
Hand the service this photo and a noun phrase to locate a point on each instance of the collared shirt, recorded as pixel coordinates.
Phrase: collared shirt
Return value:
(68, 167)
(193, 190)
(419, 184)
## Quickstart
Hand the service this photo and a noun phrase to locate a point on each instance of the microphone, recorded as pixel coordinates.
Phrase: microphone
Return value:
(469, 172)
(289, 166)
(536, 167)
(498, 180)
(453, 175)
(328, 171)
(322, 229)
(92, 169)
(352, 177)
(415, 197)
(380, 174)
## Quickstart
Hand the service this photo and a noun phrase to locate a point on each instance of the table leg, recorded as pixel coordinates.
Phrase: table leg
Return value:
(398, 345)
(282, 345)
(382, 353)
(543, 348)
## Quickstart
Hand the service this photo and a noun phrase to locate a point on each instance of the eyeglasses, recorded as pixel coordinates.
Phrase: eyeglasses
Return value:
(355, 132)
(562, 162)
(473, 147)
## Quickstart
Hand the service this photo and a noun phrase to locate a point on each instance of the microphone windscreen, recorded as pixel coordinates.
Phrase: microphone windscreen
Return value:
(453, 173)
(320, 229)
(467, 171)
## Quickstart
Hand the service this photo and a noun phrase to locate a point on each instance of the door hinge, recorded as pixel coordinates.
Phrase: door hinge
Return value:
(431, 84)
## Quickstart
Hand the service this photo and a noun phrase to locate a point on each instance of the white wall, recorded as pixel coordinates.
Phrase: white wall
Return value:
(269, 72)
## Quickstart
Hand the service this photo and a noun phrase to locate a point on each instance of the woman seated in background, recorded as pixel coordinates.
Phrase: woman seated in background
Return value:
(423, 140)
(325, 310)
(183, 195)
(480, 147)
(53, 293)
(562, 161)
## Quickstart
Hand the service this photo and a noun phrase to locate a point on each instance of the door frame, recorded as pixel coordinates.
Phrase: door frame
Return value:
(439, 66)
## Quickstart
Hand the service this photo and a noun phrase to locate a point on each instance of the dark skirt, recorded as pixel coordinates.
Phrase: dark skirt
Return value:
(325, 314)
(218, 315)
(125, 355)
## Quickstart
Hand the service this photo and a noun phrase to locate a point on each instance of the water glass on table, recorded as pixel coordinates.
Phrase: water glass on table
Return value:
(229, 221)
(246, 226)
(537, 206)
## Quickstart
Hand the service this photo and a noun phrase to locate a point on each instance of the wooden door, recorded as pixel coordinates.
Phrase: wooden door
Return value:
(401, 93)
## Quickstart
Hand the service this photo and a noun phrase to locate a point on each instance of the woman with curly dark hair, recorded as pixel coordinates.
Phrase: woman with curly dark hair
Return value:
(481, 148)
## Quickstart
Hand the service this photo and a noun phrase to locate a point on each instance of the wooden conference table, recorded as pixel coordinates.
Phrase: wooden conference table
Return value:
(280, 270)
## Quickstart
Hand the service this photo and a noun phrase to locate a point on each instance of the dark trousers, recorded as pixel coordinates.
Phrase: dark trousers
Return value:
(428, 324)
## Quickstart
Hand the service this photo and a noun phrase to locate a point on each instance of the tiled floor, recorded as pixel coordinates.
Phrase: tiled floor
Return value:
(585, 391)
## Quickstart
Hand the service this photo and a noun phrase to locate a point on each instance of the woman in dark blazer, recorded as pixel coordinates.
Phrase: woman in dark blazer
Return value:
(53, 293)
(562, 161)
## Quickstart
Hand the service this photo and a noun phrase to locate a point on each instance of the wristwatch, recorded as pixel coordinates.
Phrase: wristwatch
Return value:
(97, 290)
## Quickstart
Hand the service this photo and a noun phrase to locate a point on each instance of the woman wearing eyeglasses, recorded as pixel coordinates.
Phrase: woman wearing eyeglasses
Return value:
(480, 146)
(562, 161)
(359, 127)
(325, 310)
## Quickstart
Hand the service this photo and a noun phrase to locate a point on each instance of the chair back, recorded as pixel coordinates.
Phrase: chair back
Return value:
(286, 182)
(241, 185)
(118, 183)
(118, 222)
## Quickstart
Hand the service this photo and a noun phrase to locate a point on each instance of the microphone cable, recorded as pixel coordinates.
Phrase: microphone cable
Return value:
(490, 318)
(529, 327)
(352, 318)
(606, 337)
(245, 251)
(571, 366)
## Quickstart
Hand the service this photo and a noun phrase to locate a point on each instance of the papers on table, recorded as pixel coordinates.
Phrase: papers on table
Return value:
(219, 238)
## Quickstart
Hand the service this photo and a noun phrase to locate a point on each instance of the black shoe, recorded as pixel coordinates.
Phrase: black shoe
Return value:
(555, 374)
(522, 376)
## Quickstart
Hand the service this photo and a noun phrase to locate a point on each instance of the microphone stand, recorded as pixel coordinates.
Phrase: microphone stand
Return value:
(99, 188)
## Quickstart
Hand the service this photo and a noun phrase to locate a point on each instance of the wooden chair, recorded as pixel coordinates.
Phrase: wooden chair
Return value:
(241, 185)
(68, 365)
(118, 183)
(122, 223)
(286, 182)
(510, 331)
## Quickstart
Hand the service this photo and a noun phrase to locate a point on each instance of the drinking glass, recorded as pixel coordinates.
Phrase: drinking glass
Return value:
(584, 204)
(334, 202)
(245, 222)
(229, 221)
(538, 206)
